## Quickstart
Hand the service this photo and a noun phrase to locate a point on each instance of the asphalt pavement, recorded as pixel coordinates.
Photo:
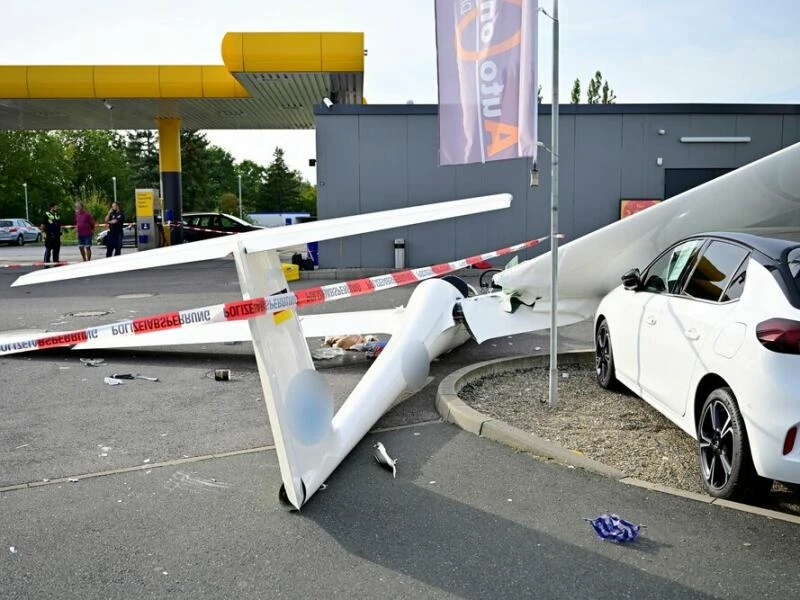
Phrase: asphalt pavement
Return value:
(169, 489)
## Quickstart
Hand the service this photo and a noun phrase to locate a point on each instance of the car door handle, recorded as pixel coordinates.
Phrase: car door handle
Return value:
(650, 320)
(692, 334)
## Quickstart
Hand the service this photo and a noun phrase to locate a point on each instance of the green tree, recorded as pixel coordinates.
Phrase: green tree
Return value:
(141, 150)
(221, 174)
(282, 188)
(608, 94)
(99, 163)
(194, 166)
(37, 158)
(308, 198)
(598, 91)
(575, 95)
(254, 179)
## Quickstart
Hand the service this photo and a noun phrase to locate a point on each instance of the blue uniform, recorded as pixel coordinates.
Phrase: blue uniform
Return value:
(51, 224)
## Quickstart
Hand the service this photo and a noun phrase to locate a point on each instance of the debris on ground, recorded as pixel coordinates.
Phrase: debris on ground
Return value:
(384, 459)
(93, 362)
(112, 381)
(326, 353)
(133, 376)
(610, 526)
(373, 349)
(354, 341)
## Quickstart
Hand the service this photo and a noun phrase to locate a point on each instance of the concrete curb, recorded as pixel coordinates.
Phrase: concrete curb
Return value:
(453, 410)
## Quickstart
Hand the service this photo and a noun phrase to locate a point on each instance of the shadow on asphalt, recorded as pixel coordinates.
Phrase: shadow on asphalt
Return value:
(462, 550)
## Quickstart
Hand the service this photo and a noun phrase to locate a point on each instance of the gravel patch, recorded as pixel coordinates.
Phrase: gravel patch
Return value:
(617, 429)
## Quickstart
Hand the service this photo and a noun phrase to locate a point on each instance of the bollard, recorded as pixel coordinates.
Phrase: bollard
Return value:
(399, 253)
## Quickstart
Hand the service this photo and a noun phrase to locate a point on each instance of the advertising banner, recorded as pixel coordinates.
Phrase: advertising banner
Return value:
(486, 63)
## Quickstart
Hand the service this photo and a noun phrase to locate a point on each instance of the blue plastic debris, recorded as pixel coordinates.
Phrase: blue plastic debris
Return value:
(373, 349)
(609, 526)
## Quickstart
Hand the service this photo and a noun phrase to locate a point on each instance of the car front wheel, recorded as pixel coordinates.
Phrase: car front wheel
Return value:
(726, 465)
(604, 357)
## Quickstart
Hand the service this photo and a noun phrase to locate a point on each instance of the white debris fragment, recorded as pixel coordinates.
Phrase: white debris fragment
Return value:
(12, 550)
(431, 482)
(112, 381)
(146, 460)
(324, 486)
(384, 459)
(73, 480)
(22, 446)
(565, 375)
(92, 362)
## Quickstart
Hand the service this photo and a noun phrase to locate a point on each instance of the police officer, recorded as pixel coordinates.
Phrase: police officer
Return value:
(51, 228)
(115, 219)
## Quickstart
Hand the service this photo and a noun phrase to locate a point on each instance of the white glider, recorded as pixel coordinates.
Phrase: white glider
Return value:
(310, 440)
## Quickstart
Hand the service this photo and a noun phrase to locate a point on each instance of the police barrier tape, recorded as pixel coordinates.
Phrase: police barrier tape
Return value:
(249, 309)
(38, 264)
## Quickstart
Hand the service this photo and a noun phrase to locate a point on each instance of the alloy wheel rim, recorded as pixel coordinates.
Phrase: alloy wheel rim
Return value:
(716, 445)
(602, 354)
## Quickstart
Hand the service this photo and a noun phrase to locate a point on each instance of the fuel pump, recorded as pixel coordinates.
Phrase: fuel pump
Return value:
(146, 231)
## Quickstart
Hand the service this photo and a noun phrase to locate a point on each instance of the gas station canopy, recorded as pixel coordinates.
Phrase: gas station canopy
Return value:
(266, 81)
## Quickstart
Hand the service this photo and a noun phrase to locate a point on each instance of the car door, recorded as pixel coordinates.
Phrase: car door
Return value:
(661, 277)
(677, 328)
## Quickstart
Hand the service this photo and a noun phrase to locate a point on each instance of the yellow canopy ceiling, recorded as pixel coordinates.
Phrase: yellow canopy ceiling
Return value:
(266, 81)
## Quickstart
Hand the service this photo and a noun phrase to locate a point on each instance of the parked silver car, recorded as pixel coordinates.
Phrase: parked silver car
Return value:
(128, 236)
(18, 231)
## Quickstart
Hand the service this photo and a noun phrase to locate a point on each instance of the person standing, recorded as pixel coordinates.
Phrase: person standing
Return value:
(84, 224)
(115, 219)
(51, 228)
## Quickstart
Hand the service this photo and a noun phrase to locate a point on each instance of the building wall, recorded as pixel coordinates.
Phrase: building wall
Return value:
(373, 158)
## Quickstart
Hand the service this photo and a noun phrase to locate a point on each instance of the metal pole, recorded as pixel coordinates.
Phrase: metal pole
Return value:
(240, 196)
(553, 395)
(114, 181)
(25, 187)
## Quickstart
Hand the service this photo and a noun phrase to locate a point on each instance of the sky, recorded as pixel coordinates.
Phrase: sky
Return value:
(650, 51)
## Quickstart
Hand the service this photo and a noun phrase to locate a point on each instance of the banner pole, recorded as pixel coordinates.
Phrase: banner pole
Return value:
(553, 391)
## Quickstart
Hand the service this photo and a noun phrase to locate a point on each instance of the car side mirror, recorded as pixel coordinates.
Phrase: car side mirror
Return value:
(632, 280)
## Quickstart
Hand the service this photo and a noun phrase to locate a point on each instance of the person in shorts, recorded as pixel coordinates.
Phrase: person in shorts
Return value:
(84, 224)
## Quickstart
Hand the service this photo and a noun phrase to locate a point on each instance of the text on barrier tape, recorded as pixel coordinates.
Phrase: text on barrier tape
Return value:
(250, 309)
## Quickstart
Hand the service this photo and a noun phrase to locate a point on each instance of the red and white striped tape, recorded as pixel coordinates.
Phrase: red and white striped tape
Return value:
(249, 309)
(204, 229)
(36, 264)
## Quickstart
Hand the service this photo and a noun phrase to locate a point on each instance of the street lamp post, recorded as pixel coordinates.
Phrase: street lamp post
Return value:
(25, 187)
(240, 196)
(553, 388)
(114, 182)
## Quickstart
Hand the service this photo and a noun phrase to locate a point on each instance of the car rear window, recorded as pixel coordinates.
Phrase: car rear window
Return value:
(5, 224)
(793, 260)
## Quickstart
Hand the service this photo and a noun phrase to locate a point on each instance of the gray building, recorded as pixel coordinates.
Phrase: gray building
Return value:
(372, 158)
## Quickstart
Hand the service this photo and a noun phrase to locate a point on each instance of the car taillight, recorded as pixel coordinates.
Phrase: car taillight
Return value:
(788, 443)
(12, 229)
(779, 335)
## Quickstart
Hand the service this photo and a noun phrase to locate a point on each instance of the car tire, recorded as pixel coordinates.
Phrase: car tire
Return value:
(38, 238)
(20, 240)
(604, 357)
(723, 450)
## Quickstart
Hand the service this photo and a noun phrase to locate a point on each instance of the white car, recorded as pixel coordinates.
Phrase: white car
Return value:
(709, 335)
(18, 231)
